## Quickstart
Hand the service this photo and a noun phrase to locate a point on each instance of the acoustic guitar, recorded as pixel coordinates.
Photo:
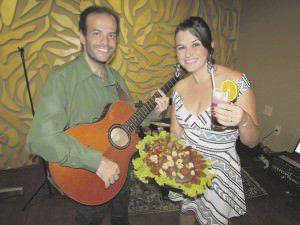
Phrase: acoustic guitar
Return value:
(116, 138)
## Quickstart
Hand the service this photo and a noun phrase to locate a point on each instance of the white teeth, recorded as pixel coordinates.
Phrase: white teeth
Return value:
(190, 61)
(102, 50)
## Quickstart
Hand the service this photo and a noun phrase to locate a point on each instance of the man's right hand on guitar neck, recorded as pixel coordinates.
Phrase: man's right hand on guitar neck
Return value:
(108, 171)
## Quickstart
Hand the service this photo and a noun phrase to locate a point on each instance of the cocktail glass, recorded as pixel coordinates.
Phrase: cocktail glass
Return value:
(218, 97)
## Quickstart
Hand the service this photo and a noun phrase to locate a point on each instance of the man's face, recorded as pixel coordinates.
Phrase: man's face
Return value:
(101, 37)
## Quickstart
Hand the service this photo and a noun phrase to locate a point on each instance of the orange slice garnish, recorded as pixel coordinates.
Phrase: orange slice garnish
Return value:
(231, 88)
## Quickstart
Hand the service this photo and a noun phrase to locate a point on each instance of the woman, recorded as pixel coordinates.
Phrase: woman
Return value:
(191, 121)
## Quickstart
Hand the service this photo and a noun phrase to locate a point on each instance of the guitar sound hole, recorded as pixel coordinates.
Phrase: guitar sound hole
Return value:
(118, 137)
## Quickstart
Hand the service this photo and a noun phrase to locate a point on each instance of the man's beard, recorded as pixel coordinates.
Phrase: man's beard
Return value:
(96, 60)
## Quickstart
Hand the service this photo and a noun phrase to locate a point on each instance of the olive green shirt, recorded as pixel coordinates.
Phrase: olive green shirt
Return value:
(72, 95)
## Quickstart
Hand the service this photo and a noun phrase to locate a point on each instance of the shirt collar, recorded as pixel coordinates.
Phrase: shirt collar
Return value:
(85, 71)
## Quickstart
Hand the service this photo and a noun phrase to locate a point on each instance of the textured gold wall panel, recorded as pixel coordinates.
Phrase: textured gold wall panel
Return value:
(48, 32)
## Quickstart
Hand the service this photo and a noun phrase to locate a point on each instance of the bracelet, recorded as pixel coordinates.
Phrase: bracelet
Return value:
(245, 123)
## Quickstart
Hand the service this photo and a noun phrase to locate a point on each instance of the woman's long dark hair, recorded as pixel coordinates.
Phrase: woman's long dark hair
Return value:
(198, 27)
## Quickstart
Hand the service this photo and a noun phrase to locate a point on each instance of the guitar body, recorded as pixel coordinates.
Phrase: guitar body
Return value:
(114, 136)
(84, 186)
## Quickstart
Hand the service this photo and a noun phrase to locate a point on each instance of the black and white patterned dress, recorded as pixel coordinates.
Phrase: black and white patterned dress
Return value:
(225, 198)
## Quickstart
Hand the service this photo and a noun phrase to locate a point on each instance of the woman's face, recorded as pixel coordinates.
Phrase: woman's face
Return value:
(191, 54)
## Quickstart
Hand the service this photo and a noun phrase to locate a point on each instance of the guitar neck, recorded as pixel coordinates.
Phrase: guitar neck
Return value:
(137, 118)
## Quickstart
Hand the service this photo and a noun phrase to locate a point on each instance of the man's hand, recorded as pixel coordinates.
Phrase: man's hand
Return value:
(108, 171)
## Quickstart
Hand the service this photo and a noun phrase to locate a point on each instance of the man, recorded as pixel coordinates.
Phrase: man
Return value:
(77, 93)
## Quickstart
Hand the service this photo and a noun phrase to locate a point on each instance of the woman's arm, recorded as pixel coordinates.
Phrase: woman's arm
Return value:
(242, 114)
(248, 125)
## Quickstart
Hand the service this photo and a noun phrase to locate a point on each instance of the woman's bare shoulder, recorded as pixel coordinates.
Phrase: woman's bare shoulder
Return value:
(227, 73)
(181, 85)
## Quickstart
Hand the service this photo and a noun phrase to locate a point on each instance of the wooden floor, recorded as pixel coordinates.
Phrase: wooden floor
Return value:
(280, 207)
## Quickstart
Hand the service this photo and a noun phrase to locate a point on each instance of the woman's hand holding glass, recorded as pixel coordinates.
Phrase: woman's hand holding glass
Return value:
(230, 115)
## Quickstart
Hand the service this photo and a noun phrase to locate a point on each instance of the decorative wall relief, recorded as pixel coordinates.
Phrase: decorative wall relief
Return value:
(48, 32)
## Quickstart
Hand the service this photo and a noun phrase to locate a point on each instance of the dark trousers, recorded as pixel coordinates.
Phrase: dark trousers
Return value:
(93, 215)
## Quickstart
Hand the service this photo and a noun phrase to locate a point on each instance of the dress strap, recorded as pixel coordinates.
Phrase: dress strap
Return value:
(243, 84)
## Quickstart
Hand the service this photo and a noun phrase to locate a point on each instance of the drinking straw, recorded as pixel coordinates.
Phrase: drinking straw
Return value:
(212, 78)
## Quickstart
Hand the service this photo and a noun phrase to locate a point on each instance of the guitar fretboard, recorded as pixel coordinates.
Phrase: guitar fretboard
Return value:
(137, 118)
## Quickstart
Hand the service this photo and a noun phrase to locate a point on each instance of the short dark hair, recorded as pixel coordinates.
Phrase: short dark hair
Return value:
(96, 9)
(198, 27)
